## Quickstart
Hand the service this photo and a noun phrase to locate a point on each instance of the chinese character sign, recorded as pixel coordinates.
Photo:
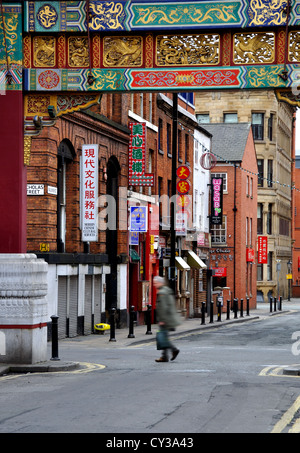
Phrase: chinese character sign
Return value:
(262, 250)
(137, 150)
(89, 192)
(216, 201)
(138, 219)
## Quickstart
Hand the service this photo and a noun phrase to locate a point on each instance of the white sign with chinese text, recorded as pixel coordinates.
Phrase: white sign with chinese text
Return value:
(89, 193)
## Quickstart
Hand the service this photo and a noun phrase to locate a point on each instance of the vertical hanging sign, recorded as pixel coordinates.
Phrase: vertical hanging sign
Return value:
(89, 193)
(216, 201)
(137, 151)
(262, 255)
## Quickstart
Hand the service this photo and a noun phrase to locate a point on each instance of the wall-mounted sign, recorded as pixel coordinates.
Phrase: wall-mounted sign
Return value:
(138, 219)
(183, 187)
(250, 255)
(262, 257)
(35, 189)
(133, 238)
(183, 172)
(52, 190)
(216, 201)
(137, 157)
(219, 271)
(89, 193)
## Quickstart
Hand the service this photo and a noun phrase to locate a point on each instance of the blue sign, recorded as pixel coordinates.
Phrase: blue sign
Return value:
(138, 219)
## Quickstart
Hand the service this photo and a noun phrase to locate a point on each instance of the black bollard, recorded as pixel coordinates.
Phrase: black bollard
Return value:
(248, 306)
(203, 313)
(242, 308)
(211, 312)
(235, 308)
(219, 311)
(54, 338)
(112, 325)
(149, 320)
(228, 309)
(275, 303)
(280, 303)
(271, 304)
(131, 320)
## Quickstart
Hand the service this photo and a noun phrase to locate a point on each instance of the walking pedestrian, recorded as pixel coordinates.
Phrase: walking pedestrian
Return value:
(166, 314)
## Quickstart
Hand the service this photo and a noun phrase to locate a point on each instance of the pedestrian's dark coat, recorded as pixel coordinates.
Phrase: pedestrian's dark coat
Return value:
(166, 308)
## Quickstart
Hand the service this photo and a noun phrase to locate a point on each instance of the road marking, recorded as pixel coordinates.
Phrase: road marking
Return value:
(87, 368)
(276, 370)
(287, 418)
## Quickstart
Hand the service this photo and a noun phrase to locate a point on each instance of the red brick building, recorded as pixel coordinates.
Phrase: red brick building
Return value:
(233, 253)
(86, 279)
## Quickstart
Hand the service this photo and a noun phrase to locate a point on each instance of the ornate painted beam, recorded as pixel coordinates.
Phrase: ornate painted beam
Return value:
(141, 15)
(165, 45)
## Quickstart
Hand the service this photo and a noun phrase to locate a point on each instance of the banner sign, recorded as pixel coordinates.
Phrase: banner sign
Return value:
(216, 201)
(262, 249)
(138, 219)
(89, 193)
(137, 150)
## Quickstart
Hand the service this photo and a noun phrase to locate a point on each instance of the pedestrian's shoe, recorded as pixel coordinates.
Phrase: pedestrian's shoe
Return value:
(175, 354)
(162, 359)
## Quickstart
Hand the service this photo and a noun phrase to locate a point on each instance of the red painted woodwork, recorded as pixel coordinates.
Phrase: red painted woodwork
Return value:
(12, 174)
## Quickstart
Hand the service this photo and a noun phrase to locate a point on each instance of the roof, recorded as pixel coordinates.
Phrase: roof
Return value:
(228, 140)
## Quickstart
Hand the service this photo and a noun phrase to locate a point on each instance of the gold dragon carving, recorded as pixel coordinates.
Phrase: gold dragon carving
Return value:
(187, 50)
(254, 48)
(78, 52)
(122, 51)
(44, 51)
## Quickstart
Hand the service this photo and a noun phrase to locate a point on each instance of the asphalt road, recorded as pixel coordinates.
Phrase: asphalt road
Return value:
(225, 380)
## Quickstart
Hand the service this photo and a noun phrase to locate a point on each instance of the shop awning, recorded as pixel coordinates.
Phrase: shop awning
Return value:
(135, 257)
(181, 264)
(194, 261)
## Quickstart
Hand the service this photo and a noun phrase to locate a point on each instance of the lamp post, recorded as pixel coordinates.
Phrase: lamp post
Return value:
(289, 279)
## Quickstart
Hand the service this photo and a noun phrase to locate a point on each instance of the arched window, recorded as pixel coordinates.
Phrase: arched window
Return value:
(65, 156)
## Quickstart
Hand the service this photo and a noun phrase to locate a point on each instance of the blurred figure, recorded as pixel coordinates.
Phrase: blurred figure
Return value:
(166, 315)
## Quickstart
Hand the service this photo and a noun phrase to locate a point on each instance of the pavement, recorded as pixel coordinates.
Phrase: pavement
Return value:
(123, 338)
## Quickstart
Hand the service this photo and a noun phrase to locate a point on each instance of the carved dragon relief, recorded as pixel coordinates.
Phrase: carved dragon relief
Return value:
(254, 48)
(187, 50)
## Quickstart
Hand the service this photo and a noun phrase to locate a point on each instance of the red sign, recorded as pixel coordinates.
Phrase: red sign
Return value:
(219, 271)
(183, 187)
(183, 201)
(249, 255)
(262, 249)
(183, 172)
